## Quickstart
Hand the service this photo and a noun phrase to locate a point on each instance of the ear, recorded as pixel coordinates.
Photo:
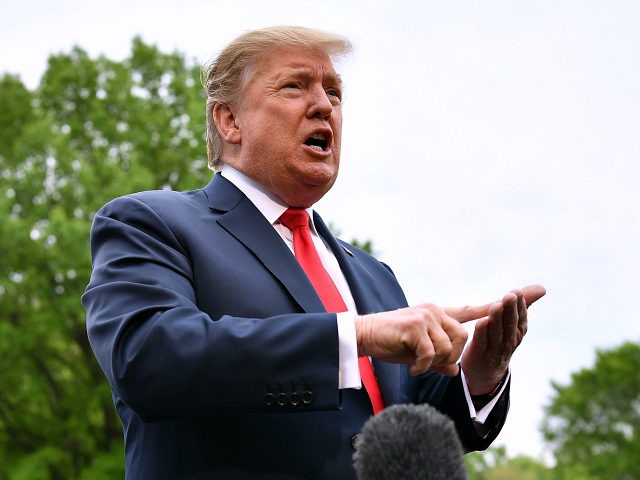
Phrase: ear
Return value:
(226, 122)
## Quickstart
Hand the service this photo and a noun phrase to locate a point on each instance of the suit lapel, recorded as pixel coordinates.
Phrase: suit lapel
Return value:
(245, 222)
(361, 283)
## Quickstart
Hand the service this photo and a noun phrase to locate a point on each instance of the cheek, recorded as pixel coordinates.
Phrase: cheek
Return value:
(337, 131)
(337, 141)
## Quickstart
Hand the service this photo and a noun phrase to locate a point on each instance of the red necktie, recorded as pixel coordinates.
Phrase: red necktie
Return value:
(297, 220)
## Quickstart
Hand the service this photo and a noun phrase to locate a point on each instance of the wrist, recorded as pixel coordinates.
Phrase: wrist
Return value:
(483, 382)
(482, 399)
(361, 334)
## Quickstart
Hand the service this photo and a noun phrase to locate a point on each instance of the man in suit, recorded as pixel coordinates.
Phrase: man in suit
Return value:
(224, 358)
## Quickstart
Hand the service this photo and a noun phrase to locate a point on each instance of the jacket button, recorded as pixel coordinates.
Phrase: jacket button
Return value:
(282, 399)
(354, 441)
(307, 397)
(269, 399)
(295, 398)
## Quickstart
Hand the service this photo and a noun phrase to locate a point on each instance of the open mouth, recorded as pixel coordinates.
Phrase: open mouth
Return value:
(317, 141)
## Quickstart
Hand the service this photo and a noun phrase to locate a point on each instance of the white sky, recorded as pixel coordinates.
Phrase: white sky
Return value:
(486, 145)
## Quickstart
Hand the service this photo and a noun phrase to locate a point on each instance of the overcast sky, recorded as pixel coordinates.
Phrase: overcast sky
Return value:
(487, 145)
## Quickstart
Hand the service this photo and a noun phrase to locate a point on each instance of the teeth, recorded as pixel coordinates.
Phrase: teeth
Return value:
(318, 141)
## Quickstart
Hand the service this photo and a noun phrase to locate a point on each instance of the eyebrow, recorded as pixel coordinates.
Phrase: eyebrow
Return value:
(306, 72)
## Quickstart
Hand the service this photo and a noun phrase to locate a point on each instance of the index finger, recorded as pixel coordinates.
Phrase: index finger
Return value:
(532, 293)
(468, 312)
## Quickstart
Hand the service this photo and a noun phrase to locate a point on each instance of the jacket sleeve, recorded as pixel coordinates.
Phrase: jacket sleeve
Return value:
(447, 395)
(165, 357)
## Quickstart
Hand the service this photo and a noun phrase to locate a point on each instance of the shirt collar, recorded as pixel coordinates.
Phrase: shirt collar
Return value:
(270, 205)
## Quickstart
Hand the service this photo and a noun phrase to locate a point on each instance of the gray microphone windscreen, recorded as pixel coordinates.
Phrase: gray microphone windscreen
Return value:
(409, 442)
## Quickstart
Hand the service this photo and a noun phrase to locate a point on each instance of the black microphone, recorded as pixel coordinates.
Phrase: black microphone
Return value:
(409, 442)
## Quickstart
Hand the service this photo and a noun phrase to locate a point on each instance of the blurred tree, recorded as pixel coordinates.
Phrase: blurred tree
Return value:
(480, 463)
(520, 468)
(94, 129)
(593, 424)
(494, 464)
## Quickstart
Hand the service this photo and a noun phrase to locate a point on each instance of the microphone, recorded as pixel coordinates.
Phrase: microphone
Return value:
(409, 442)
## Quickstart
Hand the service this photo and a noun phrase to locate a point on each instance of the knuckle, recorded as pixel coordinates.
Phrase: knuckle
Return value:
(446, 350)
(457, 332)
(429, 310)
(466, 310)
(463, 335)
(511, 345)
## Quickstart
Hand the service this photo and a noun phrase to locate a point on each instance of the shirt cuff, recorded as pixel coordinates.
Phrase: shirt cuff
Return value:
(349, 373)
(481, 415)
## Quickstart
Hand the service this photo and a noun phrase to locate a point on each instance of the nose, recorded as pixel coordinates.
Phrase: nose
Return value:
(320, 105)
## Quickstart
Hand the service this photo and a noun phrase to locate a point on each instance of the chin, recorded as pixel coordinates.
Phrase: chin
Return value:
(320, 173)
(306, 194)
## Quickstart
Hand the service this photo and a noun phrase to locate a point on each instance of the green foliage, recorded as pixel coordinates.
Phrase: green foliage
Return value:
(521, 468)
(94, 129)
(494, 464)
(479, 463)
(593, 423)
(367, 245)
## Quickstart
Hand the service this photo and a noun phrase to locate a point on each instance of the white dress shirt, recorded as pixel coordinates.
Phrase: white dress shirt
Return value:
(272, 208)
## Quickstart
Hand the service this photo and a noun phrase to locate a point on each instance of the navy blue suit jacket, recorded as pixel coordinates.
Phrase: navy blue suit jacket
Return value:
(222, 361)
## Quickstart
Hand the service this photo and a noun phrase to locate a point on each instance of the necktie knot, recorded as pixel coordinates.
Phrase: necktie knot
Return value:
(294, 218)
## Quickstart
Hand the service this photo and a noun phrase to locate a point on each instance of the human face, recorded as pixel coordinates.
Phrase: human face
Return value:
(290, 123)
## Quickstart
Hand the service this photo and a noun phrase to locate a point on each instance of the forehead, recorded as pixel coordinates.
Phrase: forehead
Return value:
(295, 60)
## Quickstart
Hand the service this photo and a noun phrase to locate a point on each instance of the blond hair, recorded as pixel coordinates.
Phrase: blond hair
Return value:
(226, 76)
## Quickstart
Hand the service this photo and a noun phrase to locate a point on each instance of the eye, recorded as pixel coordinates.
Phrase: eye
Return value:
(292, 85)
(335, 95)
